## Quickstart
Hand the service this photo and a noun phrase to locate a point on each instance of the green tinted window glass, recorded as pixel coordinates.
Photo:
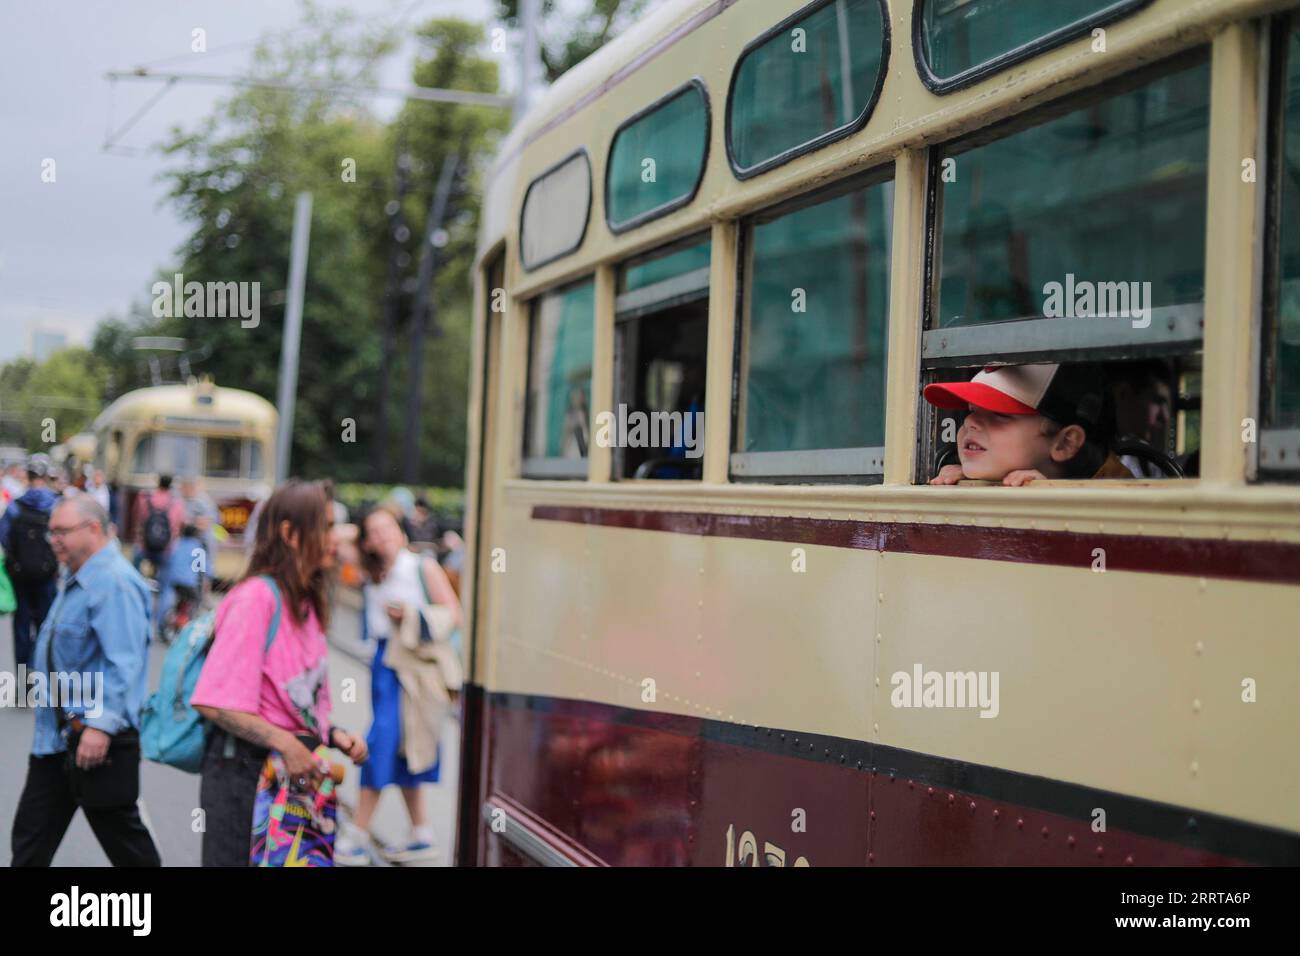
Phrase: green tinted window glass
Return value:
(1285, 400)
(559, 373)
(650, 271)
(816, 76)
(819, 301)
(656, 160)
(1113, 192)
(958, 36)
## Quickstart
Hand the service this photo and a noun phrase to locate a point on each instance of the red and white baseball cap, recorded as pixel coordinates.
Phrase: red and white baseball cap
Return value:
(1067, 394)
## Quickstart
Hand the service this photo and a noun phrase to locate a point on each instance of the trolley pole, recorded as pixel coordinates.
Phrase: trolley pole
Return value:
(288, 389)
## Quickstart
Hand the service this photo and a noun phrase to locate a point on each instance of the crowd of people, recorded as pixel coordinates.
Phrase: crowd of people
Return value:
(263, 691)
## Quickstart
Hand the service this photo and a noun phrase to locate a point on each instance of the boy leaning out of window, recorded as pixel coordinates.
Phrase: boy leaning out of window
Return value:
(1028, 422)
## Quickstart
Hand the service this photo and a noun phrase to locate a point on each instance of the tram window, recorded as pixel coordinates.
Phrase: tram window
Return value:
(254, 458)
(656, 429)
(959, 42)
(166, 453)
(557, 413)
(657, 158)
(1038, 259)
(812, 369)
(1139, 419)
(553, 220)
(1279, 440)
(222, 457)
(813, 79)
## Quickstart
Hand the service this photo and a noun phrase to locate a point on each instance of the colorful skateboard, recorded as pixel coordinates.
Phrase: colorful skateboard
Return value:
(294, 827)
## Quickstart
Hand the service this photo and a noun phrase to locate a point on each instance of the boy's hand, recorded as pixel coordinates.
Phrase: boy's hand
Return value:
(948, 475)
(1017, 478)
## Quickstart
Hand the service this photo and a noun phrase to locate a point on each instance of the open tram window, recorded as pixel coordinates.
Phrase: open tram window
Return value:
(557, 408)
(656, 429)
(1076, 235)
(810, 405)
(1279, 437)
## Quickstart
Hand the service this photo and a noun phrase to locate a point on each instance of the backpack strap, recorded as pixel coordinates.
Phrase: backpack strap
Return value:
(275, 618)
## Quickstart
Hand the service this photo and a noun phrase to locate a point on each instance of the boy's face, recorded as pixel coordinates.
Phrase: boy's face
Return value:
(991, 445)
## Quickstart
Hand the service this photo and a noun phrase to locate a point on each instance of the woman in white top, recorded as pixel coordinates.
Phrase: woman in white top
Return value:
(393, 583)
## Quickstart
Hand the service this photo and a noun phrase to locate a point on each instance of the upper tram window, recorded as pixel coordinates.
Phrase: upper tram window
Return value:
(557, 414)
(656, 429)
(553, 220)
(657, 158)
(1080, 237)
(1279, 440)
(959, 42)
(812, 79)
(812, 351)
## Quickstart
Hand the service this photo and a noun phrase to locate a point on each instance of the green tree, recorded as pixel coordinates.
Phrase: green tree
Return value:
(235, 182)
(45, 403)
(567, 40)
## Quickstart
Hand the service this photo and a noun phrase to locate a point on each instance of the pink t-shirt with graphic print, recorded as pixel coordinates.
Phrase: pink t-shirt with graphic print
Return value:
(287, 686)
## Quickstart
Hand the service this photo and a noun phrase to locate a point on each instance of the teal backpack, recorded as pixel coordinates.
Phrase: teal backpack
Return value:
(171, 731)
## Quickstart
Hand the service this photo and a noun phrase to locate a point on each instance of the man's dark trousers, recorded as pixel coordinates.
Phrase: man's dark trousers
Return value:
(33, 599)
(47, 807)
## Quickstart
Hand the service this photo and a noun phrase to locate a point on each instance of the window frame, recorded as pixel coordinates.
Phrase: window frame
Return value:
(830, 136)
(941, 86)
(542, 467)
(586, 219)
(799, 466)
(663, 209)
(1176, 343)
(1272, 463)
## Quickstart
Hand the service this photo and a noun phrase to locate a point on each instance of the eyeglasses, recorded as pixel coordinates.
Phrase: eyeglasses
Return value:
(63, 532)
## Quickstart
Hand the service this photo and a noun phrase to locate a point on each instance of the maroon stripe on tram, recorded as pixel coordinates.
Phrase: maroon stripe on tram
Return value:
(1263, 561)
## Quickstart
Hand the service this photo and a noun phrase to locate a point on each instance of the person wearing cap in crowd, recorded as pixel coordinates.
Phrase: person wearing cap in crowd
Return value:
(29, 559)
(1028, 422)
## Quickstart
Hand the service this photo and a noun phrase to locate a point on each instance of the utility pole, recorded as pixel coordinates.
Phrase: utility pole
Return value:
(434, 238)
(398, 233)
(530, 57)
(288, 391)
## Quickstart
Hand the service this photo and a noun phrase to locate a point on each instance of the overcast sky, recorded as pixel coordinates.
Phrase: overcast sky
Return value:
(87, 245)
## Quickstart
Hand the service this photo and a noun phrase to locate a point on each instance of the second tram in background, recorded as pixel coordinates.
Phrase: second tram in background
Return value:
(225, 436)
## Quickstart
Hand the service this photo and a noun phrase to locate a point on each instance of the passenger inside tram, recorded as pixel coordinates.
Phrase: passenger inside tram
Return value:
(1021, 423)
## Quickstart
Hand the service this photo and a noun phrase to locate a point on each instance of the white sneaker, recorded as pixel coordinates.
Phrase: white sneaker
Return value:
(351, 852)
(413, 851)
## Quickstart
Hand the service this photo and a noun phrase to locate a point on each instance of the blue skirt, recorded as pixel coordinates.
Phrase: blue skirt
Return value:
(386, 766)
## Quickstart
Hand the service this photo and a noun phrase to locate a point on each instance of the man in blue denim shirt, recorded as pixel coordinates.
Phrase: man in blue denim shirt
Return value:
(95, 639)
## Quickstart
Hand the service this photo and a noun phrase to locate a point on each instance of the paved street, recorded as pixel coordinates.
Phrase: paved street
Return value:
(170, 796)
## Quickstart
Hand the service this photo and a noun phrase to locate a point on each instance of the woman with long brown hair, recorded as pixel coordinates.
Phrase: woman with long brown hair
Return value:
(264, 685)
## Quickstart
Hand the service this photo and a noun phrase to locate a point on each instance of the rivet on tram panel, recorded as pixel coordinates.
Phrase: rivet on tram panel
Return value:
(877, 727)
(881, 597)
(972, 805)
(929, 791)
(1200, 647)
(1069, 841)
(1195, 768)
(1201, 583)
(1128, 860)
(1101, 851)
(997, 814)
(1020, 823)
(873, 814)
(877, 681)
(877, 638)
(697, 675)
(1044, 832)
(828, 750)
(871, 857)
(1196, 706)
(952, 798)
(699, 637)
